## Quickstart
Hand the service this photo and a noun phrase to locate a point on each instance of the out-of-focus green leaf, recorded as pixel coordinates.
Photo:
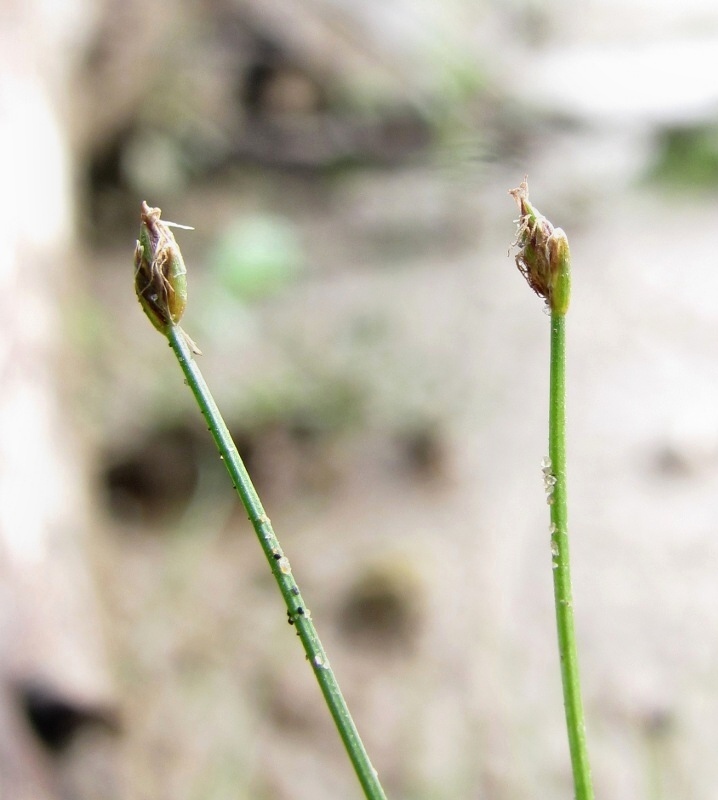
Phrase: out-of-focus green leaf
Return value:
(256, 256)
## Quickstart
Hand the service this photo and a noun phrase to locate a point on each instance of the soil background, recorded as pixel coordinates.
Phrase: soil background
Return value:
(385, 371)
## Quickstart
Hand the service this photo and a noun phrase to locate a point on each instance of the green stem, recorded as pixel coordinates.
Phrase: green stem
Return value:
(281, 570)
(562, 571)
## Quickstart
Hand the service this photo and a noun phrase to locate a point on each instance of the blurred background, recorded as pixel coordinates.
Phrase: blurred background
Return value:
(384, 369)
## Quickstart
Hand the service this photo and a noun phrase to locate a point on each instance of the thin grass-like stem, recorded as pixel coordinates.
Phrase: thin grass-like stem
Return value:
(561, 565)
(279, 564)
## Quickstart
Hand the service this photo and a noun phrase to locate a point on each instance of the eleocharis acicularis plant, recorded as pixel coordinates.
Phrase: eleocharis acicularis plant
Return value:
(161, 286)
(544, 259)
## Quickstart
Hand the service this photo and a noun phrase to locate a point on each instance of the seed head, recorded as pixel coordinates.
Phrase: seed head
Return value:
(160, 273)
(543, 257)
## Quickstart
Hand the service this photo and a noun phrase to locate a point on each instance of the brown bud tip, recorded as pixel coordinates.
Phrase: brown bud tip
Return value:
(160, 273)
(543, 256)
(521, 196)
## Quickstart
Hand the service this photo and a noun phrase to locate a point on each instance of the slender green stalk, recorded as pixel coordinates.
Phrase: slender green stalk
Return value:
(544, 260)
(161, 286)
(573, 703)
(298, 612)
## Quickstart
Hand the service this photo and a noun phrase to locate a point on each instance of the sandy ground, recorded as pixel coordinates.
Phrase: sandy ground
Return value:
(402, 473)
(388, 389)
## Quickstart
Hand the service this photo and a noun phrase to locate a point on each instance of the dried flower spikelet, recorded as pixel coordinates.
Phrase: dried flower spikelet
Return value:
(543, 256)
(160, 272)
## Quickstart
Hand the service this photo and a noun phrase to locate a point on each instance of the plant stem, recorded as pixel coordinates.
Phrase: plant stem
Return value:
(562, 571)
(298, 613)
